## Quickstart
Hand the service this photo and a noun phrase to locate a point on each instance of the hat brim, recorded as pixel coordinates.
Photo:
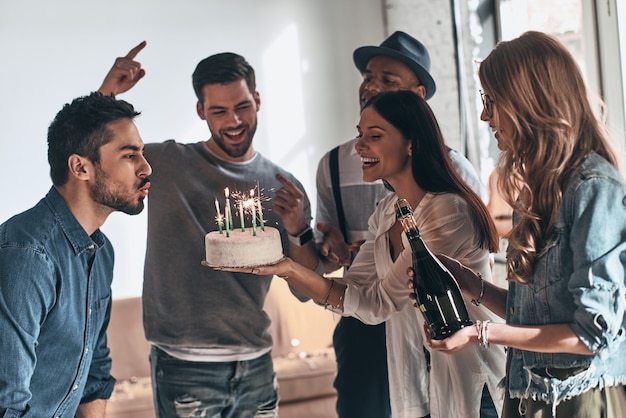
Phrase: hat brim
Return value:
(363, 54)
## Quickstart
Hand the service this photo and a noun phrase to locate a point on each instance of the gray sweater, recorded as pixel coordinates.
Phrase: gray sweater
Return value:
(186, 304)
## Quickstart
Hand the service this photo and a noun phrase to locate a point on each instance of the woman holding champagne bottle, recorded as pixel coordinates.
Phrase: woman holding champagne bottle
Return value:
(565, 305)
(400, 142)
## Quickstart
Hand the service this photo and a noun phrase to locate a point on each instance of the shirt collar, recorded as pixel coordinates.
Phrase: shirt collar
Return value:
(74, 232)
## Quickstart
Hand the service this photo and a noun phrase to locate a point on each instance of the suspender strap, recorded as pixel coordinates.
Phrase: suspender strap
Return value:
(334, 179)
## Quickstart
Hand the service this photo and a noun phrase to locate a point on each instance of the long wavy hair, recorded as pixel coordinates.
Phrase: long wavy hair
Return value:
(430, 161)
(535, 82)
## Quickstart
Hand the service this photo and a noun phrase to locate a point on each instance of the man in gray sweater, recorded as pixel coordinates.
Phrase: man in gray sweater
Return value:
(210, 336)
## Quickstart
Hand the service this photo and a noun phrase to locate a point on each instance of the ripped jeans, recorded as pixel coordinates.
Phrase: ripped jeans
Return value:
(238, 389)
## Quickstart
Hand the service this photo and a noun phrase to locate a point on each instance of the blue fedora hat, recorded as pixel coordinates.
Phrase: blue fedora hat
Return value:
(405, 49)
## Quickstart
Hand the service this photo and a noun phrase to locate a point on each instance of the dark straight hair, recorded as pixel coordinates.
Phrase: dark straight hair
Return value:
(431, 165)
(222, 68)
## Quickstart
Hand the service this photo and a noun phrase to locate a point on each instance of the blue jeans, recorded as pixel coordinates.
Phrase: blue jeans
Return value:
(238, 389)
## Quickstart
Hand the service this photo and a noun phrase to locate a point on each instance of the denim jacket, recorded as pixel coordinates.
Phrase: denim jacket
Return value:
(55, 299)
(578, 280)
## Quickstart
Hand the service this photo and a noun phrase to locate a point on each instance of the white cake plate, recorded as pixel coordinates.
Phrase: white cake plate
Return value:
(206, 264)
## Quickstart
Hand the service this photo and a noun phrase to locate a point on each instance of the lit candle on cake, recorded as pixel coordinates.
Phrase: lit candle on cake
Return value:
(252, 209)
(219, 215)
(260, 208)
(243, 228)
(227, 213)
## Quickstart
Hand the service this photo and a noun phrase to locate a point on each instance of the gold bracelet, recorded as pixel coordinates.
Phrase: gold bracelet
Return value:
(340, 300)
(330, 289)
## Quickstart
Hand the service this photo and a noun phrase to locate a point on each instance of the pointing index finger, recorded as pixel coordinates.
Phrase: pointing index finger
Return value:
(289, 185)
(133, 52)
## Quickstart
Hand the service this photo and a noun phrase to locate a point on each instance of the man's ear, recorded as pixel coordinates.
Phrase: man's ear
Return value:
(257, 100)
(419, 90)
(200, 110)
(79, 167)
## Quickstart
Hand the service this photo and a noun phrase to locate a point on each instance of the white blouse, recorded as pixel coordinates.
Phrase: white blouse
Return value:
(378, 291)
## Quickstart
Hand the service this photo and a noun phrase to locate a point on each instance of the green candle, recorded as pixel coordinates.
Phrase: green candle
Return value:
(228, 214)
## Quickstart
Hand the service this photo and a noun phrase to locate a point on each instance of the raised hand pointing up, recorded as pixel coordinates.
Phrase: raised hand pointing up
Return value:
(124, 74)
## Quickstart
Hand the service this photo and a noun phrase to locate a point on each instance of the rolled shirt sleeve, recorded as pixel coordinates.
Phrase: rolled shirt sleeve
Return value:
(598, 251)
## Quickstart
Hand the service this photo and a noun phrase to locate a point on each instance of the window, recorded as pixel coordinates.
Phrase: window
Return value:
(592, 32)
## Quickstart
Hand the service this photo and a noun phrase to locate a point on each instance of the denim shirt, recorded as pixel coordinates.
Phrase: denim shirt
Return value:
(578, 280)
(55, 302)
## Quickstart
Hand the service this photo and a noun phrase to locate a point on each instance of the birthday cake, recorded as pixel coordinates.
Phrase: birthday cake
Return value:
(243, 248)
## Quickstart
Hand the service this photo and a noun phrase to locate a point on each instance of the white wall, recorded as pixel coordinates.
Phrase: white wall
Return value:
(55, 51)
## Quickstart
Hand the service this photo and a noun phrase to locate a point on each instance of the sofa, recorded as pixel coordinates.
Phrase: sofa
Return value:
(304, 359)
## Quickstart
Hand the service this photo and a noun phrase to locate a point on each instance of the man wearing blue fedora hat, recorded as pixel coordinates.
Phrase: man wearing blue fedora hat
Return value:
(364, 373)
(397, 51)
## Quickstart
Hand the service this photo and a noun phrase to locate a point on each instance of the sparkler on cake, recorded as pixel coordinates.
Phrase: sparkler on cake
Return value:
(246, 246)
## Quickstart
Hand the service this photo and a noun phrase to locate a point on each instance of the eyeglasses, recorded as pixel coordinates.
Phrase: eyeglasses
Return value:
(487, 103)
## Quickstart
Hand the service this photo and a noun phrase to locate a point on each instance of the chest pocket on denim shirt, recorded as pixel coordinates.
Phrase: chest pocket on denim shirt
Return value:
(548, 262)
(98, 315)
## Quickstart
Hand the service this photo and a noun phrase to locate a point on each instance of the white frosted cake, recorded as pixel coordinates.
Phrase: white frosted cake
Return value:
(243, 249)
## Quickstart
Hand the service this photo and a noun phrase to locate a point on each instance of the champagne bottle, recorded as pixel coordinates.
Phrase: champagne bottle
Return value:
(436, 290)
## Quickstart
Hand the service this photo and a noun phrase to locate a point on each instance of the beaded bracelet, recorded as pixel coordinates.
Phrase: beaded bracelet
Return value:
(484, 341)
(477, 302)
(481, 330)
